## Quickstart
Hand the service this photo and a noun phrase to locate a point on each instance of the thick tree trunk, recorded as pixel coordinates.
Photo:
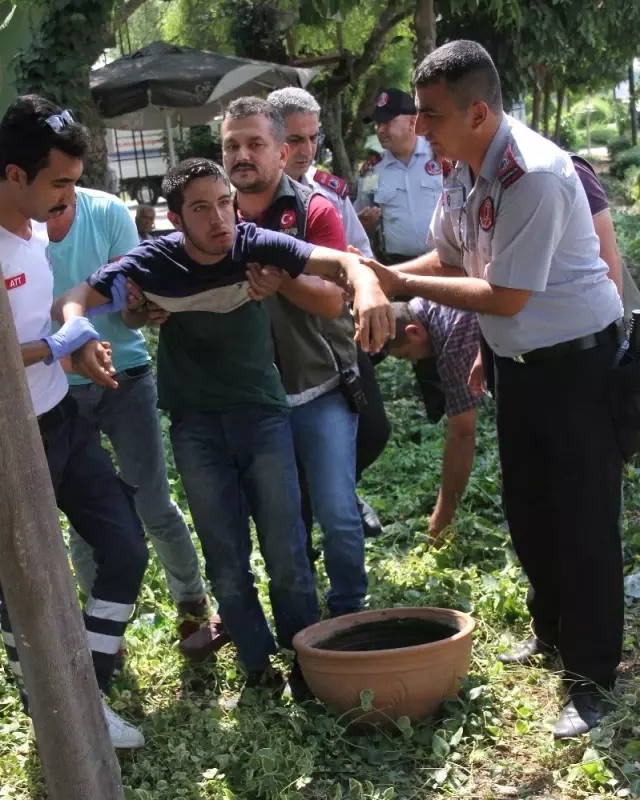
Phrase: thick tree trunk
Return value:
(547, 104)
(424, 25)
(332, 121)
(353, 139)
(559, 107)
(633, 113)
(73, 742)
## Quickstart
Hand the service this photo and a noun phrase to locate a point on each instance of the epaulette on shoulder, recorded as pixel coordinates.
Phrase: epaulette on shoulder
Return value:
(370, 162)
(509, 170)
(333, 182)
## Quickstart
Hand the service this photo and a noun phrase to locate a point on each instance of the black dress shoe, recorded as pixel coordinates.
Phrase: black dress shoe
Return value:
(526, 650)
(371, 524)
(582, 713)
(297, 686)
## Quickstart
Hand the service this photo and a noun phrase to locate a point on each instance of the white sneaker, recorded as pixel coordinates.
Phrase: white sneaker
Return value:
(123, 736)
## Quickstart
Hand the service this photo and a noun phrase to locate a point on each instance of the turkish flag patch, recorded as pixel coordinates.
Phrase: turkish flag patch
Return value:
(383, 100)
(486, 214)
(287, 219)
(433, 168)
(15, 282)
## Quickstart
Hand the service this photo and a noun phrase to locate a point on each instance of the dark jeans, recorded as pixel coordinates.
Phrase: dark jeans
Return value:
(100, 507)
(561, 472)
(232, 464)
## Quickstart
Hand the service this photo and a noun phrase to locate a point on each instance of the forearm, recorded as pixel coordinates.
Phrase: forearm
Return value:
(35, 352)
(313, 295)
(457, 463)
(429, 264)
(468, 294)
(76, 302)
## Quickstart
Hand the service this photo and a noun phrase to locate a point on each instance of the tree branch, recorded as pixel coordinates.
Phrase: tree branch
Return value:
(124, 11)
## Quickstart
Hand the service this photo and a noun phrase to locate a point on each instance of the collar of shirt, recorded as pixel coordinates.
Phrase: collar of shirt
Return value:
(494, 154)
(285, 189)
(422, 147)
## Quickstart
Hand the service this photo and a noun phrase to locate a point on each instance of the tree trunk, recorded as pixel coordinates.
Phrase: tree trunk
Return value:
(547, 104)
(332, 122)
(537, 96)
(73, 742)
(560, 104)
(424, 25)
(633, 113)
(353, 139)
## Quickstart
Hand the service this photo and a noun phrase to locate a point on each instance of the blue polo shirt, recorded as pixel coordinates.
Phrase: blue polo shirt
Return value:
(101, 232)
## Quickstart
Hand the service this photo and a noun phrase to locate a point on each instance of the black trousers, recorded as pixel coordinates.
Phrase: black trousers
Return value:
(561, 472)
(374, 430)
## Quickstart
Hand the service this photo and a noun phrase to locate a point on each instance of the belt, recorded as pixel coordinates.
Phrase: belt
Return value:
(136, 372)
(52, 419)
(612, 333)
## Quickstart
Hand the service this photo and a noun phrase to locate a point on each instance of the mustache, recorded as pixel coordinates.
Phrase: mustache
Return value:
(243, 165)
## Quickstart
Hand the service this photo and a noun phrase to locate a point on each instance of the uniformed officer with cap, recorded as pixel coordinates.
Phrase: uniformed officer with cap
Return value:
(515, 242)
(399, 190)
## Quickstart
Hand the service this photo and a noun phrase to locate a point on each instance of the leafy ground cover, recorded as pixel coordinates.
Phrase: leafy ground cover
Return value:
(494, 741)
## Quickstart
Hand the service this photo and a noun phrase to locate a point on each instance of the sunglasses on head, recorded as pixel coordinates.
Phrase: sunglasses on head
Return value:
(59, 121)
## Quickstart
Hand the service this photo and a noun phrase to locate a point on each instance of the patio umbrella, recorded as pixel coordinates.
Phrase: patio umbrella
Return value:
(163, 84)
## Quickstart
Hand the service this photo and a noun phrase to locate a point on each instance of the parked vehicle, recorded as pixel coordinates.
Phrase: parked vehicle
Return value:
(137, 159)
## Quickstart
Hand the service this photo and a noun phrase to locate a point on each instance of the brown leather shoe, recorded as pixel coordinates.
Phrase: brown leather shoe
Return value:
(206, 641)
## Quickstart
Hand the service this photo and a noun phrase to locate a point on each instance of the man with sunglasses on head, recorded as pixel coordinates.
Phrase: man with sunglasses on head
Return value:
(41, 154)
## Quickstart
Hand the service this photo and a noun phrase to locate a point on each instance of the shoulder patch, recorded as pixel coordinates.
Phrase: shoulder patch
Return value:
(509, 171)
(370, 162)
(333, 182)
(432, 167)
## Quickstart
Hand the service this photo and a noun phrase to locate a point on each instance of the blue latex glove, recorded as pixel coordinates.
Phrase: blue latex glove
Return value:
(71, 336)
(119, 299)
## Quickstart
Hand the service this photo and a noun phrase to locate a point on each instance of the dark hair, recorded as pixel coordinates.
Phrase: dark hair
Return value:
(245, 107)
(179, 177)
(467, 70)
(26, 138)
(404, 315)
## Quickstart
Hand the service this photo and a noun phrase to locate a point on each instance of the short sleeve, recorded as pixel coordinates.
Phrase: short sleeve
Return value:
(270, 247)
(324, 226)
(442, 237)
(596, 195)
(356, 234)
(455, 360)
(122, 229)
(531, 219)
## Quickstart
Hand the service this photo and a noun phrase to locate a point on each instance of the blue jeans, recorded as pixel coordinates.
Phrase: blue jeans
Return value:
(129, 417)
(232, 464)
(324, 436)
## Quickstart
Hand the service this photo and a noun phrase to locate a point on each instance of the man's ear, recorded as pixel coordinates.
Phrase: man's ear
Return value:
(284, 154)
(478, 114)
(175, 220)
(415, 333)
(15, 175)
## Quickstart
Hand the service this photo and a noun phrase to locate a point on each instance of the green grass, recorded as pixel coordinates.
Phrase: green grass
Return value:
(494, 741)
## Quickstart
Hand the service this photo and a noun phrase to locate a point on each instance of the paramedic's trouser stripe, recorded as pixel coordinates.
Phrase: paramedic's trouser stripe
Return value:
(100, 507)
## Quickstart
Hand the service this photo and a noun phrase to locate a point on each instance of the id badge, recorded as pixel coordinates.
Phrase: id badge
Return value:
(370, 183)
(454, 197)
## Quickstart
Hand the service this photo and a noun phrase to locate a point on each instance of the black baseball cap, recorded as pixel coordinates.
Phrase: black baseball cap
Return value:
(391, 103)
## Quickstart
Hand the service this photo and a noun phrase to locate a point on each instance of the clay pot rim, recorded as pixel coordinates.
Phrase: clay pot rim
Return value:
(465, 622)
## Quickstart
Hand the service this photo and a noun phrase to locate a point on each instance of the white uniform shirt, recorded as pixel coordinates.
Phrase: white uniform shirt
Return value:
(525, 223)
(29, 282)
(407, 195)
(355, 233)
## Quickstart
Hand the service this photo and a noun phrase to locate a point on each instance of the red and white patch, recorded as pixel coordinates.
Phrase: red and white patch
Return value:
(509, 171)
(383, 100)
(487, 214)
(287, 219)
(15, 282)
(433, 168)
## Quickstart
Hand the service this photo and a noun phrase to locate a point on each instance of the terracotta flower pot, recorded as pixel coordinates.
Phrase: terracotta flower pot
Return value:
(406, 681)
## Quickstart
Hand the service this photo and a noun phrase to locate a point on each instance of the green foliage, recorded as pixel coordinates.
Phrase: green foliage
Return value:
(496, 733)
(602, 135)
(569, 139)
(618, 145)
(624, 161)
(628, 234)
(601, 113)
(199, 142)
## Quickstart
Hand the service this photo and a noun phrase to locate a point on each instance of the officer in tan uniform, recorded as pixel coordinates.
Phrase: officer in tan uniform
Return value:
(515, 242)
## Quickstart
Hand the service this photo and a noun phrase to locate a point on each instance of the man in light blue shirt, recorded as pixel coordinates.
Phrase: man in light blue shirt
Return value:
(399, 191)
(93, 232)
